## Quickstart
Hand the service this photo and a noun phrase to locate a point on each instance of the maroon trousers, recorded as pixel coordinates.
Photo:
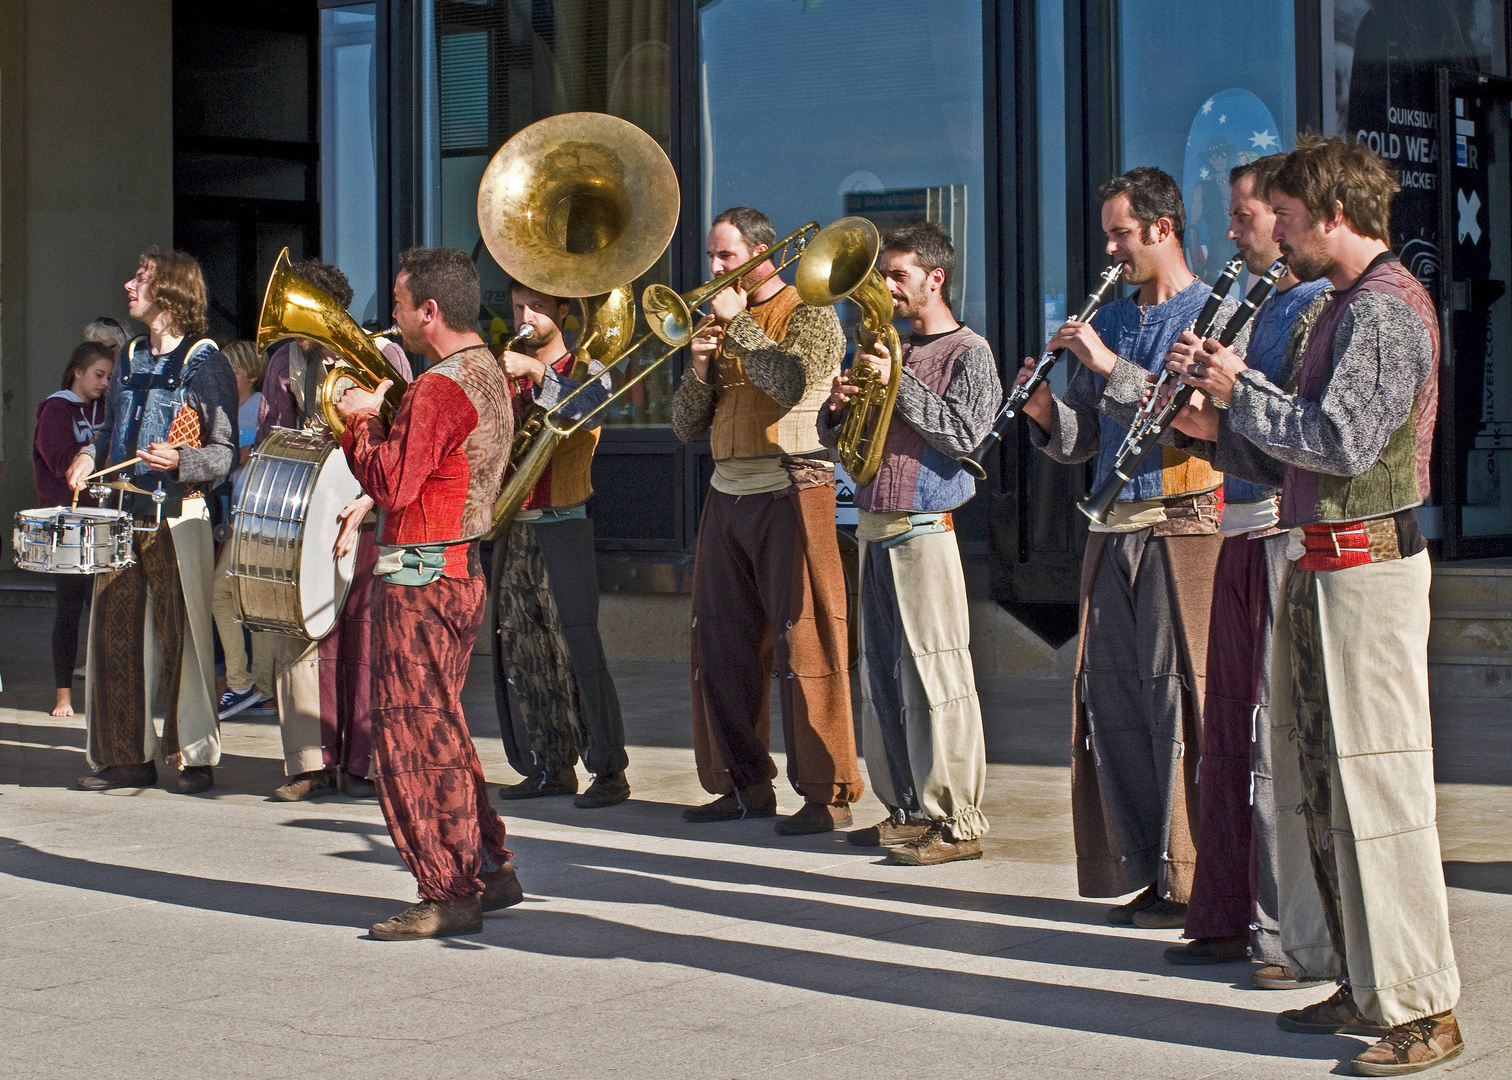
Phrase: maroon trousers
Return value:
(1234, 889)
(346, 676)
(429, 780)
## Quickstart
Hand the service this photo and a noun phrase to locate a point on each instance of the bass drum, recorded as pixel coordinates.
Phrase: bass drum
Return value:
(288, 578)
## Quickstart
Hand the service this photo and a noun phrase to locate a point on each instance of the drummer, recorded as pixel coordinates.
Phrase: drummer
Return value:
(171, 373)
(68, 419)
(322, 688)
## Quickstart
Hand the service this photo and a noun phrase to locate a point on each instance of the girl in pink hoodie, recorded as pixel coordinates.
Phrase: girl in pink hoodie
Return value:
(66, 421)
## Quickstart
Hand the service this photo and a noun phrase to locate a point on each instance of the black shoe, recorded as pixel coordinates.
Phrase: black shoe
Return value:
(751, 801)
(606, 790)
(1123, 914)
(194, 779)
(119, 776)
(358, 787)
(563, 781)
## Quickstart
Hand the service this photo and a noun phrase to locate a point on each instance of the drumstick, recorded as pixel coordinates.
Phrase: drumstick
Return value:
(176, 444)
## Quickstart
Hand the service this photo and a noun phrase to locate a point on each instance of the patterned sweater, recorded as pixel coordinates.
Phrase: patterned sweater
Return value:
(436, 471)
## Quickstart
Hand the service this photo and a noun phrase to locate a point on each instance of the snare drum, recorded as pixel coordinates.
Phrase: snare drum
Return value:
(288, 579)
(87, 540)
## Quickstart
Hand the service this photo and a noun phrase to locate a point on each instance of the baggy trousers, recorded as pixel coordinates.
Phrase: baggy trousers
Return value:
(921, 722)
(1234, 887)
(151, 629)
(430, 783)
(1132, 691)
(1363, 837)
(324, 688)
(769, 607)
(555, 696)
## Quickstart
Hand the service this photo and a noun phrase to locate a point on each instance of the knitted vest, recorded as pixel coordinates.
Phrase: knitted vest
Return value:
(747, 422)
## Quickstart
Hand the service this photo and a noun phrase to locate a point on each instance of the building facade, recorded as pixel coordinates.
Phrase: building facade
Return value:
(997, 119)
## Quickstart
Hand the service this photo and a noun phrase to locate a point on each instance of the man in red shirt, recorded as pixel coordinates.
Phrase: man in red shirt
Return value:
(433, 472)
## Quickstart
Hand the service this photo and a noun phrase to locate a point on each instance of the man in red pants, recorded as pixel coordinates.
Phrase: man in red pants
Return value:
(433, 472)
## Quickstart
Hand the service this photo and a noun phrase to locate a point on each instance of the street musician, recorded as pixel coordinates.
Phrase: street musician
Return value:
(768, 587)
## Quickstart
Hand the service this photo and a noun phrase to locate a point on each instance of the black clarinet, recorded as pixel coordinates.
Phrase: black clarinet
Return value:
(1144, 433)
(972, 462)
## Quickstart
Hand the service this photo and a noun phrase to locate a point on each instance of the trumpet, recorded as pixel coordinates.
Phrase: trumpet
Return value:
(1155, 415)
(973, 462)
(841, 263)
(292, 307)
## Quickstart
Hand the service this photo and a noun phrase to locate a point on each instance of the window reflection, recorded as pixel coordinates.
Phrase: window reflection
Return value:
(349, 177)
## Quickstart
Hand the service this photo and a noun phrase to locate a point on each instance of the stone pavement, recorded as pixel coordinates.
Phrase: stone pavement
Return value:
(151, 934)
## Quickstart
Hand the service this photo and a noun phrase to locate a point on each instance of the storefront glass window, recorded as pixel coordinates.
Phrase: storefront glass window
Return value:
(1050, 74)
(349, 178)
(501, 65)
(1205, 87)
(824, 108)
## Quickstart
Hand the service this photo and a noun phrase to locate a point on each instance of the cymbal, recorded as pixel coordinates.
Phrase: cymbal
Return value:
(121, 485)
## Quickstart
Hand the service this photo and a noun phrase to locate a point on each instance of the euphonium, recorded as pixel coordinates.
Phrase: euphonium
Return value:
(841, 263)
(292, 307)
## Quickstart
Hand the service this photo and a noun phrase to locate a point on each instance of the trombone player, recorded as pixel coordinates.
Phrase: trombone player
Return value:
(921, 721)
(768, 588)
(555, 696)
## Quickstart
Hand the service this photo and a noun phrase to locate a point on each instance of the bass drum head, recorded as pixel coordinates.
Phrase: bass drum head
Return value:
(322, 592)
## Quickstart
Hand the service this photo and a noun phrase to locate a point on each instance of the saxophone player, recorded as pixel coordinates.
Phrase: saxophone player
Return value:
(921, 722)
(555, 696)
(768, 587)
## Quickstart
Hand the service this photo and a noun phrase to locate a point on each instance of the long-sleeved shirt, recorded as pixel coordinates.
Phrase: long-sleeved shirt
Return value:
(568, 478)
(280, 404)
(948, 394)
(66, 423)
(436, 471)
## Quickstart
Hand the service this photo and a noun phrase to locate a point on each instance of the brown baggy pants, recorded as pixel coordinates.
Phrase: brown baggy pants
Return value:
(769, 607)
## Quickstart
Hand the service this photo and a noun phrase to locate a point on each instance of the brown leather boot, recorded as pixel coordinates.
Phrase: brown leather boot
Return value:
(888, 833)
(1412, 1047)
(433, 918)
(815, 817)
(1336, 1015)
(558, 782)
(751, 801)
(501, 889)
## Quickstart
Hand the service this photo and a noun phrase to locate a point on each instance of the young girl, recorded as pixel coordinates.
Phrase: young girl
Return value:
(66, 421)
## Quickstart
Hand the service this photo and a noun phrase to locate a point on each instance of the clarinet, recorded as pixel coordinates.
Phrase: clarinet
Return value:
(972, 462)
(1144, 434)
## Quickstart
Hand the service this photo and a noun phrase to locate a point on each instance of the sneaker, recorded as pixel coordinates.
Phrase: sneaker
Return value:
(934, 847)
(1123, 914)
(1338, 1015)
(562, 781)
(433, 918)
(264, 706)
(815, 818)
(1412, 1047)
(1161, 915)
(751, 801)
(610, 789)
(307, 785)
(1281, 977)
(195, 779)
(888, 832)
(238, 701)
(1210, 950)
(501, 889)
(119, 776)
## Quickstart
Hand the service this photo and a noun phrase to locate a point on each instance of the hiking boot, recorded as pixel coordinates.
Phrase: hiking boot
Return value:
(606, 790)
(1123, 914)
(1209, 950)
(501, 888)
(1338, 1015)
(562, 781)
(195, 779)
(751, 801)
(1281, 977)
(888, 832)
(1161, 915)
(934, 847)
(357, 787)
(815, 818)
(1412, 1047)
(119, 776)
(307, 785)
(433, 918)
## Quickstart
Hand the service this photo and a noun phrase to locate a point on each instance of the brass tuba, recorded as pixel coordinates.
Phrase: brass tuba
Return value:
(575, 205)
(292, 307)
(841, 263)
